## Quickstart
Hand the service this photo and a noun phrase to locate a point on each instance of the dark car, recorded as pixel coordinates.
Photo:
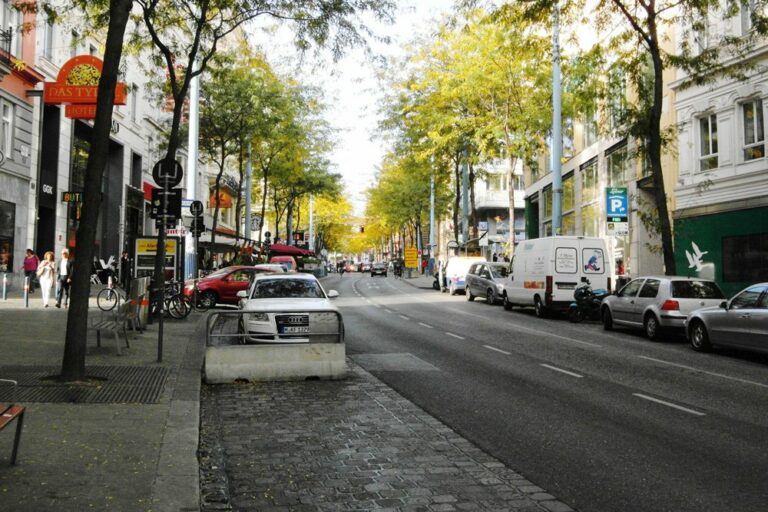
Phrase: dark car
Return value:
(379, 269)
(221, 287)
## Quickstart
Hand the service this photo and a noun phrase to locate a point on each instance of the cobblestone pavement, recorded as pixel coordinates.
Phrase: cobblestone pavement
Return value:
(345, 445)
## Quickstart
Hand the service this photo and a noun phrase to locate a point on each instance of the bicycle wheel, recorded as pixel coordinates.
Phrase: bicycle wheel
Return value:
(106, 299)
(177, 307)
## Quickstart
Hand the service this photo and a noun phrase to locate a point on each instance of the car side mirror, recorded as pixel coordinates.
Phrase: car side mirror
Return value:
(332, 294)
(724, 305)
(242, 294)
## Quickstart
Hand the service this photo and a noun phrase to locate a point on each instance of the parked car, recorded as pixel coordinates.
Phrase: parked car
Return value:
(379, 269)
(546, 271)
(221, 286)
(657, 303)
(456, 270)
(741, 322)
(288, 262)
(365, 267)
(350, 267)
(486, 279)
(289, 308)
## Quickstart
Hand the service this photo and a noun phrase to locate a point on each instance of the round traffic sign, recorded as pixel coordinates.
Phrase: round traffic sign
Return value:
(167, 176)
(196, 208)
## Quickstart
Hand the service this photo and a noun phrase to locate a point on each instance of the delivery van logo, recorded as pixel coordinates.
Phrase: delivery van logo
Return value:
(592, 264)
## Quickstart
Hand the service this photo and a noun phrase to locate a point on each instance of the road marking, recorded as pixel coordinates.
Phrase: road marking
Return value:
(426, 325)
(555, 368)
(498, 350)
(404, 317)
(668, 404)
(705, 372)
(455, 335)
(389, 311)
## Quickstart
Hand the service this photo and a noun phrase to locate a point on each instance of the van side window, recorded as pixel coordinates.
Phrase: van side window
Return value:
(565, 260)
(594, 261)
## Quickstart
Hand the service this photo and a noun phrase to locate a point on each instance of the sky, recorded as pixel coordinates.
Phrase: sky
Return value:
(352, 91)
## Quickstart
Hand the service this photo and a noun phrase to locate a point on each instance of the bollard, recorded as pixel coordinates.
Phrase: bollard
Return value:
(26, 291)
(5, 286)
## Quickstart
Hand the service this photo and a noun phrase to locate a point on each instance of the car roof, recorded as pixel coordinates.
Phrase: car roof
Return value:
(269, 266)
(675, 278)
(286, 275)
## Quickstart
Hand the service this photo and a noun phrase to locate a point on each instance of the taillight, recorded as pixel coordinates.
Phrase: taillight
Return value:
(548, 291)
(670, 305)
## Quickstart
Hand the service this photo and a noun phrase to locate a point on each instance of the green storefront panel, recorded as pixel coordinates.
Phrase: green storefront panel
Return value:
(730, 247)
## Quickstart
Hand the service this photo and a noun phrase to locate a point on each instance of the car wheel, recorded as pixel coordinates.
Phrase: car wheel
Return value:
(607, 319)
(241, 331)
(652, 328)
(490, 297)
(208, 299)
(539, 308)
(470, 297)
(507, 304)
(575, 315)
(699, 337)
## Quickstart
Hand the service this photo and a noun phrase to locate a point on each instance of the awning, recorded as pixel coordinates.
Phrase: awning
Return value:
(289, 250)
(205, 238)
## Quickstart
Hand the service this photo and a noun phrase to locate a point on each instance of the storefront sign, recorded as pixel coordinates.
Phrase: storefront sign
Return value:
(71, 197)
(411, 257)
(77, 86)
(146, 248)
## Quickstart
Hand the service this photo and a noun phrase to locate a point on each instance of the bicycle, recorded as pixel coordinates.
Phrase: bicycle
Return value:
(110, 296)
(175, 304)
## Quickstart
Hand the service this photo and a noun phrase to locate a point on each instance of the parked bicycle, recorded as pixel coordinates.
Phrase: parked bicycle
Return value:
(175, 304)
(112, 295)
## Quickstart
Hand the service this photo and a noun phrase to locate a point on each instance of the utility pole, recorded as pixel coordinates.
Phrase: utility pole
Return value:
(557, 137)
(191, 246)
(311, 222)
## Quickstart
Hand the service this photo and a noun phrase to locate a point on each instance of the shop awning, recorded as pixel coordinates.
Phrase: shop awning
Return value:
(289, 250)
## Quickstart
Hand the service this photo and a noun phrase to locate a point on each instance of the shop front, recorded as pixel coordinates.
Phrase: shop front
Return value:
(729, 247)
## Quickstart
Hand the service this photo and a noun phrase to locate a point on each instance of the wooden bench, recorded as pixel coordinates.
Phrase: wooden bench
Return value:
(115, 321)
(10, 412)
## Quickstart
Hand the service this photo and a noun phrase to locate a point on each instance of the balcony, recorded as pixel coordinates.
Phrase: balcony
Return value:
(5, 53)
(489, 199)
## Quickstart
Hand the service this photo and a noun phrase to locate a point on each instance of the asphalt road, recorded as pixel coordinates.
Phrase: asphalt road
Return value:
(605, 421)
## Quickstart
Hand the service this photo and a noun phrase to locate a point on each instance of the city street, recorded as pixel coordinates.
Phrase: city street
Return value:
(602, 420)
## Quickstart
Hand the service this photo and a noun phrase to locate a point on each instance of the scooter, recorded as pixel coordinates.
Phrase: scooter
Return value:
(587, 302)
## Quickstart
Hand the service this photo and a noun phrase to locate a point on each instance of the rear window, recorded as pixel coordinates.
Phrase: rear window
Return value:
(287, 288)
(565, 260)
(696, 290)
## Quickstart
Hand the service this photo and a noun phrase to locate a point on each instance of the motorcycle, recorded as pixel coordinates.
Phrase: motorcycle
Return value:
(586, 303)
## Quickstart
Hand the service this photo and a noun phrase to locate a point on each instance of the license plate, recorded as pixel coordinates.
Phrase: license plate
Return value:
(295, 329)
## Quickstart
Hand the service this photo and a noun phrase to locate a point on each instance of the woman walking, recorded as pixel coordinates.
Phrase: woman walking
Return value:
(31, 262)
(46, 273)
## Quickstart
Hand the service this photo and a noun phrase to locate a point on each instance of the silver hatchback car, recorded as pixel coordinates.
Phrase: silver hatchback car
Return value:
(486, 279)
(741, 322)
(656, 303)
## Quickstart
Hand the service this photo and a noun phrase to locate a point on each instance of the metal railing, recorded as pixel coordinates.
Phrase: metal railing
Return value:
(230, 328)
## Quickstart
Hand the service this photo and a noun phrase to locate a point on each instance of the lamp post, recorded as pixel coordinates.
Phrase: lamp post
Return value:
(557, 137)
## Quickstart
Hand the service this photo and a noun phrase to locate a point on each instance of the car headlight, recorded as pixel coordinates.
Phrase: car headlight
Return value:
(499, 288)
(258, 317)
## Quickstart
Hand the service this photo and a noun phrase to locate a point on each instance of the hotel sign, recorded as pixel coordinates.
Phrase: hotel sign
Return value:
(77, 86)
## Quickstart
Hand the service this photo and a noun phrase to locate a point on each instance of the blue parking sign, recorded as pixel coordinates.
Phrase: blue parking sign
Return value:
(616, 204)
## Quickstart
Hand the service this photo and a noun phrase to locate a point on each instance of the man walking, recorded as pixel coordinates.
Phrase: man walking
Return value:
(65, 278)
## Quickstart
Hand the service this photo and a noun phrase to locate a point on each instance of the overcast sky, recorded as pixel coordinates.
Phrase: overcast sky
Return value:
(352, 91)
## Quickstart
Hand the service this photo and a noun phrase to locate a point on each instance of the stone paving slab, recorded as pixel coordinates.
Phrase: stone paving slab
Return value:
(345, 445)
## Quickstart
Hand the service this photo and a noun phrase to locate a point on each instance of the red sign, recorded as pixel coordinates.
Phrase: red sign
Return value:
(77, 85)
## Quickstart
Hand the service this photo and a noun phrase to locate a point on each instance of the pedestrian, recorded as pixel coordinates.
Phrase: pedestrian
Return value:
(31, 261)
(494, 257)
(46, 272)
(125, 270)
(65, 278)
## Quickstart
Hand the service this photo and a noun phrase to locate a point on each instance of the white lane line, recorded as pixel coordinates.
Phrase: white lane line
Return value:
(426, 325)
(404, 317)
(377, 306)
(745, 381)
(555, 368)
(668, 404)
(498, 350)
(389, 311)
(455, 335)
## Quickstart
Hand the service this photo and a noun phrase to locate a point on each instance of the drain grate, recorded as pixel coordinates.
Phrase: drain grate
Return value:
(108, 385)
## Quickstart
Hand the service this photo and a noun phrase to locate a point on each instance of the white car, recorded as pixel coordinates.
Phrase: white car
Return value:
(289, 308)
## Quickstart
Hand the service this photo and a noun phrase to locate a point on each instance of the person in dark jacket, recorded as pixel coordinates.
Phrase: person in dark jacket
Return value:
(64, 269)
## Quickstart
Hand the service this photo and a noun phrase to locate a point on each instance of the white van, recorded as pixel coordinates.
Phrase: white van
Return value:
(456, 271)
(546, 271)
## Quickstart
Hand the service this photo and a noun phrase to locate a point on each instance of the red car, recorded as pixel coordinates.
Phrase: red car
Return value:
(221, 286)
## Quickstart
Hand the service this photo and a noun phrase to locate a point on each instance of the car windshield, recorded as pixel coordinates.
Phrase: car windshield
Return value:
(696, 290)
(287, 288)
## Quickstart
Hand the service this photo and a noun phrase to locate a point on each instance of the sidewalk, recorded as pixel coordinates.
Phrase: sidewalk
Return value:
(120, 454)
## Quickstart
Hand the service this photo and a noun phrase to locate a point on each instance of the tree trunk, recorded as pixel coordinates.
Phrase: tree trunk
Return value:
(216, 190)
(265, 175)
(73, 362)
(511, 193)
(239, 202)
(472, 205)
(457, 194)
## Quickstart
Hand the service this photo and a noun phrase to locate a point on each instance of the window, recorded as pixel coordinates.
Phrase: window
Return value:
(701, 35)
(650, 289)
(708, 142)
(696, 290)
(590, 128)
(568, 145)
(617, 165)
(747, 8)
(617, 98)
(568, 223)
(565, 260)
(134, 103)
(7, 227)
(630, 290)
(590, 220)
(754, 136)
(747, 298)
(48, 39)
(594, 261)
(568, 198)
(6, 129)
(495, 182)
(75, 44)
(745, 258)
(548, 202)
(589, 181)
